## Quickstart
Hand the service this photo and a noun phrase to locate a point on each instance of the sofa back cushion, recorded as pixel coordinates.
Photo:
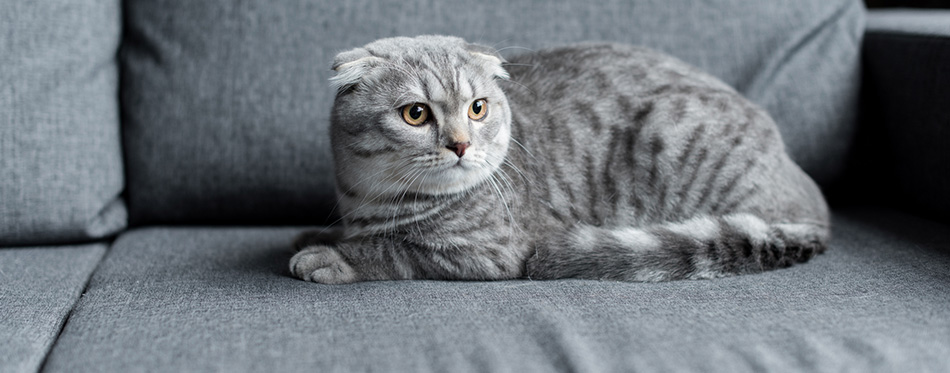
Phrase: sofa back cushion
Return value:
(226, 103)
(60, 156)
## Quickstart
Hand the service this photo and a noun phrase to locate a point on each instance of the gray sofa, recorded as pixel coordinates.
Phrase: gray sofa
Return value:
(157, 158)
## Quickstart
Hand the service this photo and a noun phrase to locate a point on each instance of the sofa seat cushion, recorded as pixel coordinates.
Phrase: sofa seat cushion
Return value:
(38, 288)
(217, 299)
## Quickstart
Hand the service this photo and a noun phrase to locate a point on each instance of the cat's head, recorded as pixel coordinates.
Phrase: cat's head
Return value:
(423, 115)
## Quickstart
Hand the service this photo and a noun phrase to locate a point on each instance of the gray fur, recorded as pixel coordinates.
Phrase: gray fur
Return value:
(594, 161)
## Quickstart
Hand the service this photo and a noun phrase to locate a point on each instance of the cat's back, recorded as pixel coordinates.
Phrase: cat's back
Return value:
(595, 93)
(589, 72)
(634, 134)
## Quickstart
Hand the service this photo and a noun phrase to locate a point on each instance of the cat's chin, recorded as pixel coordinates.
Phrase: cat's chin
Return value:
(456, 178)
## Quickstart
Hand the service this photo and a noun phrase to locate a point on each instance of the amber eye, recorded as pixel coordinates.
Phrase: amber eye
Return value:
(415, 114)
(478, 110)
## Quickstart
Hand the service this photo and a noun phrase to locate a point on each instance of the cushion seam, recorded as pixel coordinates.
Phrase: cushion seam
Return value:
(72, 307)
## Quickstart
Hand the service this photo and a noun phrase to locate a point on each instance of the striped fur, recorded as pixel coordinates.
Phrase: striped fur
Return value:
(700, 248)
(594, 161)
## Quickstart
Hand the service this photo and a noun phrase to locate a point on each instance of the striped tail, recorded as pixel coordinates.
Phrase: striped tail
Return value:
(699, 248)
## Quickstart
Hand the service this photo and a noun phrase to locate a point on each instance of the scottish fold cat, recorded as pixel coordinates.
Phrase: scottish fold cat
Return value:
(596, 161)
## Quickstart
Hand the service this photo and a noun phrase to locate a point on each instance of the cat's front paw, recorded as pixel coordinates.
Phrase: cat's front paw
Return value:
(322, 264)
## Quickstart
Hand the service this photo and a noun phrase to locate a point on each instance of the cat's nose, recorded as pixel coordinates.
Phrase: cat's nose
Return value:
(458, 148)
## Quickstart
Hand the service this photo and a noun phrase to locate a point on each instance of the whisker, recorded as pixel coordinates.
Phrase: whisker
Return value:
(416, 202)
(395, 104)
(501, 196)
(503, 177)
(415, 175)
(365, 197)
(516, 47)
(518, 170)
(522, 147)
(525, 87)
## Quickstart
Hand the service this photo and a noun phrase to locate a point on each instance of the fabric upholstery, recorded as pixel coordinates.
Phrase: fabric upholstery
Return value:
(38, 288)
(220, 299)
(226, 103)
(907, 69)
(60, 157)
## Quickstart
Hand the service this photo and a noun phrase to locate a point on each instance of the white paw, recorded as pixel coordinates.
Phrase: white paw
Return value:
(321, 264)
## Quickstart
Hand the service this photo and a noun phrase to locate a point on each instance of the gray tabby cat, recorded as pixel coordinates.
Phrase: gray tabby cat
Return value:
(590, 161)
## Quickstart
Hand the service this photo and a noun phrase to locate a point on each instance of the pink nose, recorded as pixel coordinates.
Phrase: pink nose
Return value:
(458, 148)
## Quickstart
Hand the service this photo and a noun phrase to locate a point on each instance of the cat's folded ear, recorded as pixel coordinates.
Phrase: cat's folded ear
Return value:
(351, 66)
(490, 57)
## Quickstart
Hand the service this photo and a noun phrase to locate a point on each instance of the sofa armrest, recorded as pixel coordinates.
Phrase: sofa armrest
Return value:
(905, 144)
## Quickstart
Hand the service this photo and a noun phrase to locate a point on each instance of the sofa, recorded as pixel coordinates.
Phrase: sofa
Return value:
(158, 157)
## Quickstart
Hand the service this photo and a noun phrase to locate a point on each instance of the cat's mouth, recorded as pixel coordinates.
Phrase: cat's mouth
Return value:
(465, 164)
(456, 163)
(449, 173)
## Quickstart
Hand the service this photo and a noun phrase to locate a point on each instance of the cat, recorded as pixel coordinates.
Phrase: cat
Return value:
(593, 161)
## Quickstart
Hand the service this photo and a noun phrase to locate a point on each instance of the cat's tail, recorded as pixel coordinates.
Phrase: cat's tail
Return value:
(699, 248)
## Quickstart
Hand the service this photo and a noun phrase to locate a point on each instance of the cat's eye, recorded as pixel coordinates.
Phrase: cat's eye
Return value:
(478, 109)
(415, 114)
